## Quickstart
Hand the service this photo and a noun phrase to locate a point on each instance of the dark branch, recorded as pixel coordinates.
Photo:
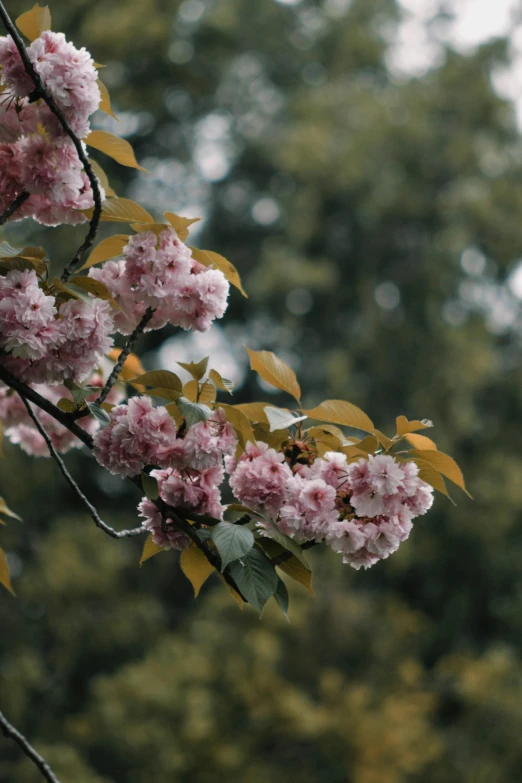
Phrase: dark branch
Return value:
(113, 377)
(45, 405)
(11, 209)
(10, 732)
(41, 91)
(74, 486)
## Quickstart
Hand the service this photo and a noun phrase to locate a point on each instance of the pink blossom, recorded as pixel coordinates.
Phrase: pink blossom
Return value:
(138, 435)
(260, 477)
(164, 533)
(207, 442)
(196, 491)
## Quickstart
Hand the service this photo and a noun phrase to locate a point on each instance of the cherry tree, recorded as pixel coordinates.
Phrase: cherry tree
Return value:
(298, 477)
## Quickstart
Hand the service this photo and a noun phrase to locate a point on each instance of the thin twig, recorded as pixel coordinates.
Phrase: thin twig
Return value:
(10, 732)
(113, 377)
(11, 209)
(41, 91)
(74, 486)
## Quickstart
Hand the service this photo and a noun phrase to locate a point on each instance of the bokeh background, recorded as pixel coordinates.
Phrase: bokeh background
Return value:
(361, 164)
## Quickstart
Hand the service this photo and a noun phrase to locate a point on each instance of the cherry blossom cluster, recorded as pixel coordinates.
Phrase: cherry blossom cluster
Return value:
(140, 434)
(363, 510)
(36, 156)
(159, 272)
(20, 429)
(191, 460)
(47, 343)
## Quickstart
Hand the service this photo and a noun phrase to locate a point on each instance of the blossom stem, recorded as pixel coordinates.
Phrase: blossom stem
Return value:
(11, 209)
(41, 91)
(10, 732)
(74, 486)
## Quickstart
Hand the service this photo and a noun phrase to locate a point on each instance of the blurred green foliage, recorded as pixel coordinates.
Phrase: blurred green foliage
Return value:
(375, 221)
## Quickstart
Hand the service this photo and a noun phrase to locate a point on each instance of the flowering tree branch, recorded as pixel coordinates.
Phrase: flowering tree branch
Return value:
(9, 731)
(74, 486)
(11, 209)
(42, 92)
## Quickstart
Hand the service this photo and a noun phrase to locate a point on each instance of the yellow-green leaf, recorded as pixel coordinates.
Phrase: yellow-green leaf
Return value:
(343, 413)
(383, 439)
(118, 149)
(163, 379)
(180, 224)
(33, 23)
(196, 567)
(443, 463)
(254, 411)
(404, 426)
(209, 258)
(175, 412)
(421, 442)
(6, 511)
(5, 579)
(149, 550)
(165, 394)
(190, 390)
(432, 477)
(235, 595)
(156, 228)
(222, 383)
(107, 248)
(240, 423)
(275, 372)
(196, 369)
(131, 367)
(105, 103)
(102, 176)
(121, 210)
(95, 287)
(207, 392)
(66, 405)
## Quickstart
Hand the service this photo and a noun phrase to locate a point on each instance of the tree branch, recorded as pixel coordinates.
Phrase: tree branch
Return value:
(113, 377)
(11, 209)
(10, 732)
(45, 405)
(41, 91)
(74, 486)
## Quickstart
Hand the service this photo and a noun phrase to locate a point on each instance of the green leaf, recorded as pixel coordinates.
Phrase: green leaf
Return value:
(99, 414)
(222, 383)
(281, 596)
(79, 394)
(343, 413)
(196, 369)
(193, 412)
(275, 372)
(115, 147)
(256, 577)
(286, 542)
(232, 542)
(150, 486)
(161, 379)
(280, 418)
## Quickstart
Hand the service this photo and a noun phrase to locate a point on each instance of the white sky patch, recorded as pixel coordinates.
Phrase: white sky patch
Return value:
(418, 44)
